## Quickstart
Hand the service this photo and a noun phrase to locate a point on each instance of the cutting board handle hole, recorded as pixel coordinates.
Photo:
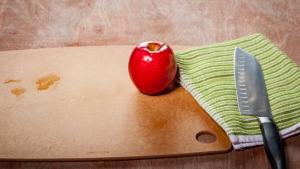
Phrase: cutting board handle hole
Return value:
(206, 137)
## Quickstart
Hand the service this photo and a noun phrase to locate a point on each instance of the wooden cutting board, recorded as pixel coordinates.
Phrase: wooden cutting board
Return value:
(79, 103)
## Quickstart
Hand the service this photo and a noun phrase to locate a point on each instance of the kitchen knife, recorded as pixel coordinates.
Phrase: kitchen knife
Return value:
(252, 99)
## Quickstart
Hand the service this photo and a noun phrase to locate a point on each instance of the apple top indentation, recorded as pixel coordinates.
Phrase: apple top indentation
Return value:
(153, 46)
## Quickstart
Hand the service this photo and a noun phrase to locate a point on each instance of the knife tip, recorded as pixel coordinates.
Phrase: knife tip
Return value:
(238, 49)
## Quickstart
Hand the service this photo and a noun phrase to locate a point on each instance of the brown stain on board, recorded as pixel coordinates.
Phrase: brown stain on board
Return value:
(12, 81)
(17, 91)
(46, 81)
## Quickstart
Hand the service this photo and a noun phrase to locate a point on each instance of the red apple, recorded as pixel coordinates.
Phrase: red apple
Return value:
(152, 67)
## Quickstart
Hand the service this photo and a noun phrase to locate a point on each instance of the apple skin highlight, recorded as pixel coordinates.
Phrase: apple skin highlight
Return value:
(152, 67)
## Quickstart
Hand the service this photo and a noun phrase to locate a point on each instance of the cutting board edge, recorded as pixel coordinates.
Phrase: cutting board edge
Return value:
(120, 158)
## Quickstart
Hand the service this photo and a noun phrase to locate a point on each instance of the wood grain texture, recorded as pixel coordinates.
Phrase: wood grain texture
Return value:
(43, 23)
(34, 24)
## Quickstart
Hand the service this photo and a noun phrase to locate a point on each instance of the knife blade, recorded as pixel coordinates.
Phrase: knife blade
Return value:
(253, 100)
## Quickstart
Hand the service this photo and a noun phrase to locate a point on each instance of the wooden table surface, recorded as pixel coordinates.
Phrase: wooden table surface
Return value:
(58, 23)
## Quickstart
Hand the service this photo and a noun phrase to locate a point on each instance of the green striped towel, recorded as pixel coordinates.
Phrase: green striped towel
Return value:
(208, 74)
